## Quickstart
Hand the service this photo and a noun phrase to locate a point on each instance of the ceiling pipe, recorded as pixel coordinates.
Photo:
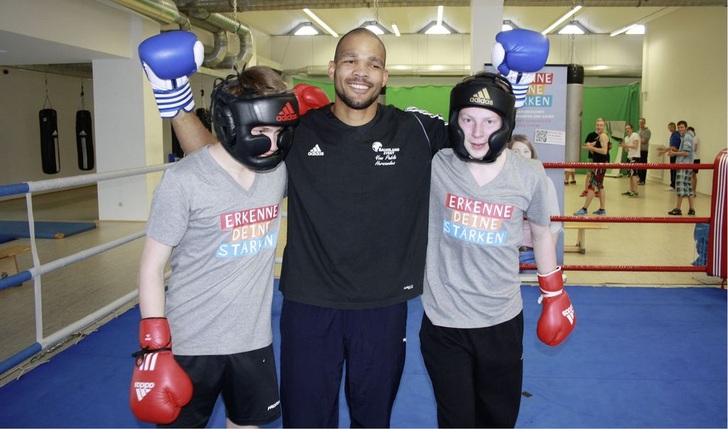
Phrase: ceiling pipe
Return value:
(220, 47)
(245, 53)
(162, 11)
(166, 12)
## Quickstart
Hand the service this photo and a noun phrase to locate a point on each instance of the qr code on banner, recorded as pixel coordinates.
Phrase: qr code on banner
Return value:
(542, 136)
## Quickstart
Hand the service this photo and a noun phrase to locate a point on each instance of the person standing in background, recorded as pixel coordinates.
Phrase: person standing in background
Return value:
(600, 152)
(673, 146)
(645, 136)
(683, 183)
(590, 138)
(696, 159)
(631, 143)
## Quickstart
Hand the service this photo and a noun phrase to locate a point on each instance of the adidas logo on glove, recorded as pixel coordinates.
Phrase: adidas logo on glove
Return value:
(142, 388)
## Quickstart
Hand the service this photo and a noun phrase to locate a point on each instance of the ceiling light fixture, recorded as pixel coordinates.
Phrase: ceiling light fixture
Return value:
(438, 26)
(558, 22)
(375, 28)
(395, 29)
(574, 27)
(320, 22)
(304, 29)
(508, 25)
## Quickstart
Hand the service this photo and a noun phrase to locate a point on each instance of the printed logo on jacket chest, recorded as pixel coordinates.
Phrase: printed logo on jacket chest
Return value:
(384, 156)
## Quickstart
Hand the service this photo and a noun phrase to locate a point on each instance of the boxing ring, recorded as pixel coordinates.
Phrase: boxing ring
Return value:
(25, 358)
(718, 224)
(36, 272)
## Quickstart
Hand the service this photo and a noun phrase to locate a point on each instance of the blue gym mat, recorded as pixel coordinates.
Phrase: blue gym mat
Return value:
(638, 358)
(20, 229)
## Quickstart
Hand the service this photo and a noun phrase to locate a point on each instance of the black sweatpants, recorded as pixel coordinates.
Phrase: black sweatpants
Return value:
(316, 344)
(477, 374)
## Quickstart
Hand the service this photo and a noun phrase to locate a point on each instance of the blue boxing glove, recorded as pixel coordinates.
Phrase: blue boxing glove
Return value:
(518, 54)
(168, 60)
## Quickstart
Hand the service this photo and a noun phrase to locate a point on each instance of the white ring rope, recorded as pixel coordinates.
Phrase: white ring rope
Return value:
(38, 269)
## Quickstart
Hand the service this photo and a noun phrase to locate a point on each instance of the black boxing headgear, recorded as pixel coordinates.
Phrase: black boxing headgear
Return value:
(488, 91)
(234, 117)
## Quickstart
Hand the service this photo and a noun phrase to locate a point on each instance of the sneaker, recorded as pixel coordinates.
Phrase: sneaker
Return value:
(581, 212)
(675, 212)
(641, 183)
(573, 182)
(600, 212)
(583, 194)
(691, 212)
(629, 193)
(633, 194)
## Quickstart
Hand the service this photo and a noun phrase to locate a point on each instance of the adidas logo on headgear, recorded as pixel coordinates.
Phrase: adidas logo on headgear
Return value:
(286, 114)
(482, 97)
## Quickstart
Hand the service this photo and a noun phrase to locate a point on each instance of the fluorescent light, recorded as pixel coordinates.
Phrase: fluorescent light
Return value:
(395, 29)
(571, 29)
(320, 22)
(435, 28)
(562, 19)
(636, 29)
(305, 29)
(439, 15)
(629, 29)
(574, 27)
(508, 25)
(375, 27)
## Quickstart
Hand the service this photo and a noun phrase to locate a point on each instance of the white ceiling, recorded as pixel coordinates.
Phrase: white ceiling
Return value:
(278, 17)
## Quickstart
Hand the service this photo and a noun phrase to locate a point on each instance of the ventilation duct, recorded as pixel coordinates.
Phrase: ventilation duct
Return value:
(242, 31)
(166, 12)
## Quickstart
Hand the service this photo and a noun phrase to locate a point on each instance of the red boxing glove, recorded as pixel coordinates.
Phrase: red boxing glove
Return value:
(557, 316)
(310, 97)
(159, 386)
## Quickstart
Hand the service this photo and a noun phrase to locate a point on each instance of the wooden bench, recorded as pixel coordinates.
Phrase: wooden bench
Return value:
(581, 227)
(8, 263)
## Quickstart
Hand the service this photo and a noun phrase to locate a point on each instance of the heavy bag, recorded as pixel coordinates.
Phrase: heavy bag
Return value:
(49, 153)
(84, 140)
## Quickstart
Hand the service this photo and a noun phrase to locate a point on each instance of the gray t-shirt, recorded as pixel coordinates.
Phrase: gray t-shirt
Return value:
(220, 292)
(474, 232)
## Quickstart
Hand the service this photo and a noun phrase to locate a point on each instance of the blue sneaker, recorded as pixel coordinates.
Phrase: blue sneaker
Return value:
(581, 212)
(601, 212)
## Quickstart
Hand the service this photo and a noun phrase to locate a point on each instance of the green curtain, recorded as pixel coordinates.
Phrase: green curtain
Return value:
(434, 99)
(613, 103)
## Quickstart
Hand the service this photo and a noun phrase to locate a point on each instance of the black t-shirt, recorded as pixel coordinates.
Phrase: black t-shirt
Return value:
(591, 137)
(598, 157)
(358, 208)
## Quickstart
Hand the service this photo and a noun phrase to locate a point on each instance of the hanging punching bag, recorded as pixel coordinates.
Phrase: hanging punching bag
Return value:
(84, 136)
(84, 140)
(50, 156)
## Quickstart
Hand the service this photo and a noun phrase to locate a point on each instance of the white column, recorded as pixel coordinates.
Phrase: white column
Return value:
(486, 20)
(128, 130)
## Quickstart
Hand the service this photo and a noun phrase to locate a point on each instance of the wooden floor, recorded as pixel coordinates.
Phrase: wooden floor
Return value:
(72, 292)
